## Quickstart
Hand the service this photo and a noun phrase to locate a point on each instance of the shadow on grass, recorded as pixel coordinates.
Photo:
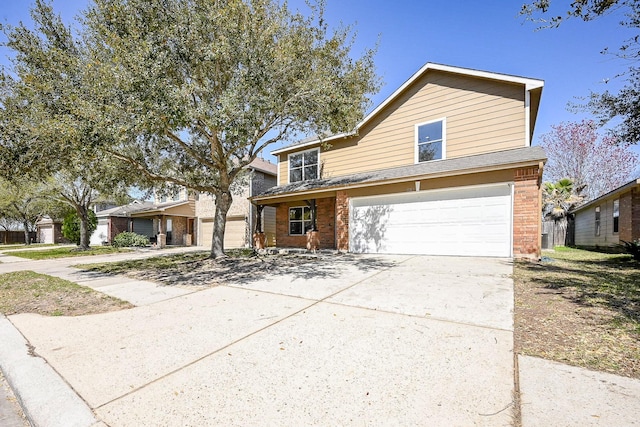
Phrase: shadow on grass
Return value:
(199, 270)
(613, 283)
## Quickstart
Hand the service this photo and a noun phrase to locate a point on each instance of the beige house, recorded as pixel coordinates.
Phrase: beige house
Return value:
(241, 218)
(609, 219)
(444, 166)
(172, 217)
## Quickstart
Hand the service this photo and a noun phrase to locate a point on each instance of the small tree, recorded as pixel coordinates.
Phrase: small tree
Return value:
(594, 164)
(71, 226)
(558, 199)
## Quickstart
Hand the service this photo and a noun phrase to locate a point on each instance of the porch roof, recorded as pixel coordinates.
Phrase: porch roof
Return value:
(184, 208)
(458, 166)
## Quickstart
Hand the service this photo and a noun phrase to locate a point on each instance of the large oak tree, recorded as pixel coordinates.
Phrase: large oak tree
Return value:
(188, 92)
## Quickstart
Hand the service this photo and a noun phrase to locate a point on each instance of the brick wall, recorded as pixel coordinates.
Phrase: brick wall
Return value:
(527, 213)
(625, 221)
(179, 225)
(118, 225)
(342, 221)
(326, 225)
(635, 214)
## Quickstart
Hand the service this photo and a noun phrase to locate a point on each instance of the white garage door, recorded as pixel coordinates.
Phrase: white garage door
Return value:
(234, 234)
(46, 235)
(100, 234)
(472, 221)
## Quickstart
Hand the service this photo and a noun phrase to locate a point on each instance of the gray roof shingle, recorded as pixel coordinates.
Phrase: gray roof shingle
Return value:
(498, 160)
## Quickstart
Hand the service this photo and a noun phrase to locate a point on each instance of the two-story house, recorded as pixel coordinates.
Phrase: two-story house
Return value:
(242, 215)
(444, 166)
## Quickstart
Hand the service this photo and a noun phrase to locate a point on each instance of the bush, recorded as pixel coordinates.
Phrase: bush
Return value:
(71, 226)
(632, 248)
(129, 239)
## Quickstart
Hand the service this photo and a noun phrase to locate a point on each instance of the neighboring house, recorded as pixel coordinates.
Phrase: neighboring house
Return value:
(49, 231)
(241, 218)
(444, 166)
(609, 219)
(175, 219)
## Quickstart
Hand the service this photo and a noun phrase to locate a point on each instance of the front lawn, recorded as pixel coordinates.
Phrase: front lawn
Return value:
(29, 292)
(65, 252)
(581, 308)
(19, 246)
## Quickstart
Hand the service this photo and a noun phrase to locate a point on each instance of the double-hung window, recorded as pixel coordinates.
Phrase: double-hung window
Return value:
(303, 166)
(616, 215)
(299, 220)
(430, 141)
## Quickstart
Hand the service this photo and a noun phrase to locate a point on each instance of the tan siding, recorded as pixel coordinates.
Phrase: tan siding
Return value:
(481, 116)
(483, 178)
(585, 226)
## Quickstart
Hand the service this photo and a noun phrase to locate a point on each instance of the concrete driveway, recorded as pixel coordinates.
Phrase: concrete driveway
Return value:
(372, 340)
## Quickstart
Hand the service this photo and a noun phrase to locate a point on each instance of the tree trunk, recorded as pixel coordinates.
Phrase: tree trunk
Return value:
(223, 203)
(27, 239)
(83, 214)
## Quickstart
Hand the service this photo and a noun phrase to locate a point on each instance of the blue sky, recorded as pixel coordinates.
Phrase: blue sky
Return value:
(487, 36)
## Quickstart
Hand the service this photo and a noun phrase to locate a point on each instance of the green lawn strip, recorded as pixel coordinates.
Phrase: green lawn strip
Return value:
(153, 263)
(30, 292)
(21, 246)
(65, 252)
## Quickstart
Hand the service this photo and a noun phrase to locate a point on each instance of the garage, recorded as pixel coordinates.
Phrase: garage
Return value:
(46, 234)
(101, 233)
(234, 236)
(469, 221)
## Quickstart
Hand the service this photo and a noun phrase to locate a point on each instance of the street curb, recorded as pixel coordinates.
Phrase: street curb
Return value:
(44, 396)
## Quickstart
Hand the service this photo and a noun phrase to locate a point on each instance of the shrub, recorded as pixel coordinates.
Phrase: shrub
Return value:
(632, 248)
(128, 239)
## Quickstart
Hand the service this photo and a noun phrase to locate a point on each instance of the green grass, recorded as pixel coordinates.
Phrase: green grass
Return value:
(65, 252)
(19, 246)
(154, 263)
(30, 292)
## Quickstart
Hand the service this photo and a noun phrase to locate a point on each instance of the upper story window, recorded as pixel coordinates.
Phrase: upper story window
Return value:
(616, 215)
(304, 166)
(430, 141)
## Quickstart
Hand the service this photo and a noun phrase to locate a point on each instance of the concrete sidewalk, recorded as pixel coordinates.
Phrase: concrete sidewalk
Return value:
(395, 340)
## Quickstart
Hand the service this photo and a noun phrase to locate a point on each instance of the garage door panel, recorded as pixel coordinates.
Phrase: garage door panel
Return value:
(234, 234)
(471, 221)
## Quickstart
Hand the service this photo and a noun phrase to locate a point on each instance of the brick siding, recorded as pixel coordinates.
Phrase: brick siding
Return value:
(118, 225)
(635, 214)
(527, 213)
(326, 225)
(625, 224)
(342, 221)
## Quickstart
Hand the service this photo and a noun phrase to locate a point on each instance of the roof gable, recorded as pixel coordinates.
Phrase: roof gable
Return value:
(533, 88)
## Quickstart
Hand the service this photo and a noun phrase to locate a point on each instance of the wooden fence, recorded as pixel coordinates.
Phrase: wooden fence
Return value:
(554, 235)
(8, 237)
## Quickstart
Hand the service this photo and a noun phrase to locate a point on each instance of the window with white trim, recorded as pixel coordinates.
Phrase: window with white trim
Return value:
(616, 215)
(304, 166)
(597, 220)
(299, 220)
(430, 141)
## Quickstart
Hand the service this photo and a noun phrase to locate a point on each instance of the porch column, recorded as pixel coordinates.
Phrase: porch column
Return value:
(342, 221)
(162, 238)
